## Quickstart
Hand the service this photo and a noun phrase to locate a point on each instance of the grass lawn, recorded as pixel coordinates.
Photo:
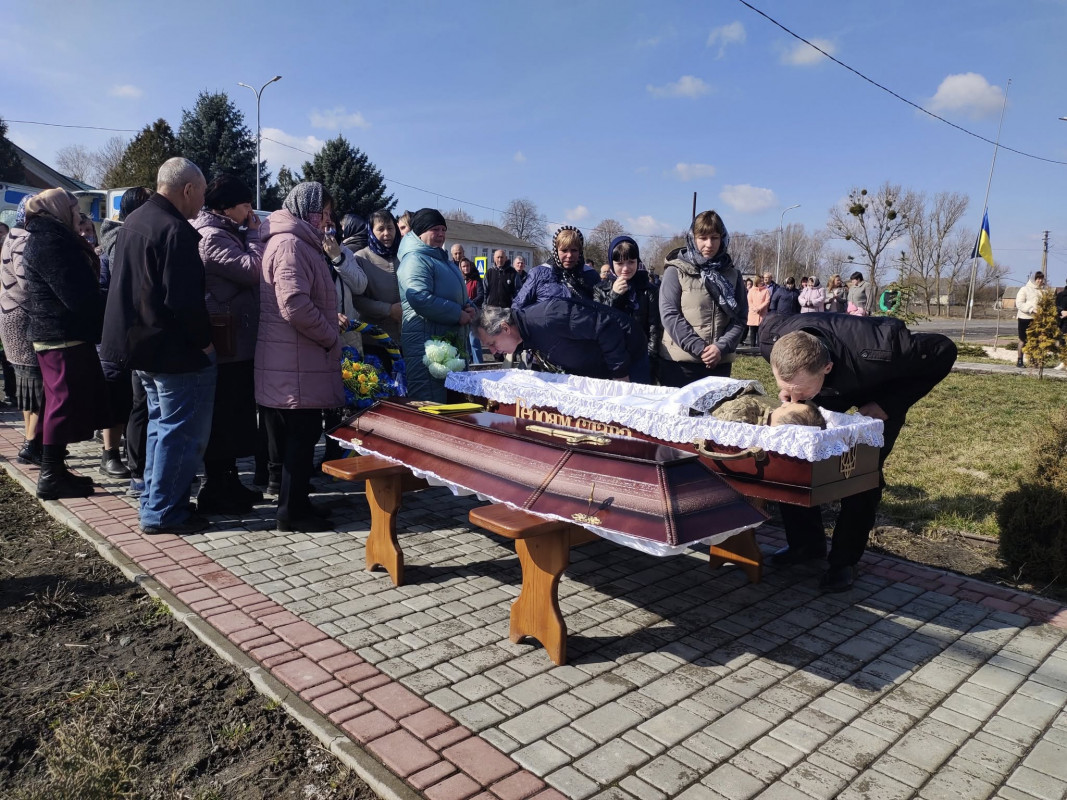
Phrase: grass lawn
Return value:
(962, 448)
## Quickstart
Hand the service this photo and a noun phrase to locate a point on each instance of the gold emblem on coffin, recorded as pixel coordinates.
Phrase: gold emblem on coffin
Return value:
(848, 462)
(590, 518)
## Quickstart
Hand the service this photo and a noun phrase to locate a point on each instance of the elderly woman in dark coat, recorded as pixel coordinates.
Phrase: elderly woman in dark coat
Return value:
(233, 258)
(66, 318)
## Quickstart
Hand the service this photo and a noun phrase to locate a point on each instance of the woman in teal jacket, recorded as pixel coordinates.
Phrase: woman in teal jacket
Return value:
(434, 297)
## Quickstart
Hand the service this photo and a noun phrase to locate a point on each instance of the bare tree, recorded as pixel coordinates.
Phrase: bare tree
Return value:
(871, 223)
(931, 255)
(108, 158)
(523, 221)
(77, 162)
(459, 214)
(655, 249)
(599, 239)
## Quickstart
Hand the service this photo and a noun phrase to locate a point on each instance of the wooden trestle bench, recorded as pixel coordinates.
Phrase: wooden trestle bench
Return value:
(543, 546)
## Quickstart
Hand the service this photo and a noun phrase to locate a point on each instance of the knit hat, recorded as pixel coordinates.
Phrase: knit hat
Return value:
(226, 191)
(426, 218)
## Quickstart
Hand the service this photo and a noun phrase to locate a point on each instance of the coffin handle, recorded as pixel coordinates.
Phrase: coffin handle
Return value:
(756, 453)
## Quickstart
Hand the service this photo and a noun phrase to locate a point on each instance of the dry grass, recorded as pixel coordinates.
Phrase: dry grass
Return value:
(963, 447)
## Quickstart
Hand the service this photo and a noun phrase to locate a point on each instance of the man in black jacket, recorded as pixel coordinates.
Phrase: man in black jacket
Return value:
(500, 285)
(157, 324)
(840, 361)
(572, 336)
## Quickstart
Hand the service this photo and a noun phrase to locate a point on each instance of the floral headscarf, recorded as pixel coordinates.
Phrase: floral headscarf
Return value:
(305, 201)
(20, 212)
(711, 269)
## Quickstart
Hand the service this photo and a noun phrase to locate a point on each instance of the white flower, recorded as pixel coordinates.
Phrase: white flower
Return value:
(438, 351)
(456, 364)
(438, 371)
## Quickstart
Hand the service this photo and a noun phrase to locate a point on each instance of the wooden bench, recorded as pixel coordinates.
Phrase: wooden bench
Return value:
(543, 546)
(386, 483)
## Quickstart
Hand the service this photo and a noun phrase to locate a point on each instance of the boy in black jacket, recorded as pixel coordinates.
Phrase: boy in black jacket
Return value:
(873, 363)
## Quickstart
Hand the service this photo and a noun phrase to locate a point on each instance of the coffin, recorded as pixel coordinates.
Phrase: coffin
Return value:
(613, 485)
(802, 466)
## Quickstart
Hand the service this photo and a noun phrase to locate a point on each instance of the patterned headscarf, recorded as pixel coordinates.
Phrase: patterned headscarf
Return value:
(572, 278)
(711, 270)
(20, 212)
(581, 248)
(305, 201)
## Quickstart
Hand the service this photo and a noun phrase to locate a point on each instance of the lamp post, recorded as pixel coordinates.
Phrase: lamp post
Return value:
(259, 136)
(778, 262)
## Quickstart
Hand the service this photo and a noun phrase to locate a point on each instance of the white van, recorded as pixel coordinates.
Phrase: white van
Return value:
(10, 196)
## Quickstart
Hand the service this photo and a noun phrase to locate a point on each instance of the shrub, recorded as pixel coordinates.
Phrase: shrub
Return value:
(1042, 346)
(966, 350)
(1033, 517)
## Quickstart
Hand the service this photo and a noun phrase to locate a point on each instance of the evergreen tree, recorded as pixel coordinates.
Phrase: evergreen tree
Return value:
(1042, 348)
(141, 160)
(356, 185)
(286, 181)
(215, 138)
(10, 164)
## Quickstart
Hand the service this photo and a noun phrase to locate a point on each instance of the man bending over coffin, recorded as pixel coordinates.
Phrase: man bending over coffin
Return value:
(571, 336)
(872, 363)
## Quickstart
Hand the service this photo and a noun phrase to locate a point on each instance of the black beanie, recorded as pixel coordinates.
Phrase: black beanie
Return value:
(226, 191)
(426, 218)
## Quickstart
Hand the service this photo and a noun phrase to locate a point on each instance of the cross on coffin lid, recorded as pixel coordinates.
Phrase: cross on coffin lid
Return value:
(618, 483)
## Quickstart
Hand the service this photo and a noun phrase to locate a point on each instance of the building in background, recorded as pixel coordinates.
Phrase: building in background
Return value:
(482, 240)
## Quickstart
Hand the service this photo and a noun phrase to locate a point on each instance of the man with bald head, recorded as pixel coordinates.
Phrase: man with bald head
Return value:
(500, 288)
(157, 324)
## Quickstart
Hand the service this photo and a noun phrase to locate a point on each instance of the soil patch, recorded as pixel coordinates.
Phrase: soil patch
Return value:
(104, 695)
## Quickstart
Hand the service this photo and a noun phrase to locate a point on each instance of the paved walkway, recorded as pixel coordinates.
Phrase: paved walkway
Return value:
(683, 682)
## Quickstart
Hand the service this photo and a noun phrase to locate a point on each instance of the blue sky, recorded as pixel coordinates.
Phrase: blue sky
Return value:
(593, 109)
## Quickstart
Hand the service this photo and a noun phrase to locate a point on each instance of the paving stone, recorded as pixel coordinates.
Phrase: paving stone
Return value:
(572, 783)
(571, 742)
(611, 761)
(873, 785)
(541, 758)
(738, 728)
(607, 722)
(1037, 783)
(535, 724)
(672, 726)
(952, 784)
(815, 781)
(731, 782)
(853, 747)
(922, 750)
(638, 788)
(667, 775)
(477, 716)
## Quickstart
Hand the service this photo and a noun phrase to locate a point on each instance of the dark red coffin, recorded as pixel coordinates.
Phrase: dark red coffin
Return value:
(622, 484)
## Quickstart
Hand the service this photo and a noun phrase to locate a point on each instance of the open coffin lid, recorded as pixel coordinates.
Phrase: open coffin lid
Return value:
(619, 487)
(794, 464)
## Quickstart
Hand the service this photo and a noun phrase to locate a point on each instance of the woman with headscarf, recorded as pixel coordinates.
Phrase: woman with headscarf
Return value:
(812, 297)
(566, 275)
(14, 327)
(630, 290)
(703, 305)
(434, 297)
(66, 320)
(233, 259)
(380, 302)
(298, 347)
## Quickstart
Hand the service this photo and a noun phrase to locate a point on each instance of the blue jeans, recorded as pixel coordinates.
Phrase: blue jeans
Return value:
(179, 424)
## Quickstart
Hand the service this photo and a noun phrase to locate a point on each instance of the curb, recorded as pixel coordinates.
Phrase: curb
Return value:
(380, 780)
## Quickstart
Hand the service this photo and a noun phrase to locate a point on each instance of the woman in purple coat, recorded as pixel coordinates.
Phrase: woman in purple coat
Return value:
(298, 348)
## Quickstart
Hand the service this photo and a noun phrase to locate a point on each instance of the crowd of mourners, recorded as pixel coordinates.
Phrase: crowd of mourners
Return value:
(199, 334)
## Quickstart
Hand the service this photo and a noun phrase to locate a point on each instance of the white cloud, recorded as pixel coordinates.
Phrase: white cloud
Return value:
(519, 157)
(337, 118)
(803, 55)
(576, 214)
(734, 33)
(970, 94)
(658, 39)
(747, 199)
(125, 90)
(276, 154)
(647, 225)
(685, 86)
(691, 172)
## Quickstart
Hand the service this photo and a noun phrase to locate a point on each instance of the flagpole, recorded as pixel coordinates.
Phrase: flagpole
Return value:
(985, 210)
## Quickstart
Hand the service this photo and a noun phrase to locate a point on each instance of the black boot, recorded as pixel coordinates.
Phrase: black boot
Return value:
(233, 480)
(216, 495)
(55, 482)
(1019, 363)
(111, 464)
(30, 453)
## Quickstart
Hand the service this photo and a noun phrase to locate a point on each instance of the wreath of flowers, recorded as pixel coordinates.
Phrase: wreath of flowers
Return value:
(366, 379)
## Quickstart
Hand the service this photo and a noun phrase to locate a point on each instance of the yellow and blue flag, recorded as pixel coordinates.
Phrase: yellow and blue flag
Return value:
(982, 247)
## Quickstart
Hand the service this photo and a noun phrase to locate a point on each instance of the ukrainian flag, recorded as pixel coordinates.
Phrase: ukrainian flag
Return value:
(982, 247)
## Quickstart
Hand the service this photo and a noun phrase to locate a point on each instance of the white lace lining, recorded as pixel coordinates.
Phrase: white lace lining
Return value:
(649, 546)
(663, 412)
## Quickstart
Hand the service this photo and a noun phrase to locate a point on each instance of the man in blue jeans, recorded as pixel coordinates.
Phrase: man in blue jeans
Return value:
(157, 324)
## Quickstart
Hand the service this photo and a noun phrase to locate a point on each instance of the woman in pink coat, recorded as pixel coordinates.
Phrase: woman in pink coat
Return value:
(298, 348)
(759, 300)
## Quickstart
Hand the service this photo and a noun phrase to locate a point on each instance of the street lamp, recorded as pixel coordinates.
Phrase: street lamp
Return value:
(259, 136)
(778, 263)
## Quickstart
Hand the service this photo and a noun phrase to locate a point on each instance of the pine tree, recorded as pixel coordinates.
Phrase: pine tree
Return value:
(1042, 346)
(356, 185)
(215, 138)
(141, 160)
(11, 168)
